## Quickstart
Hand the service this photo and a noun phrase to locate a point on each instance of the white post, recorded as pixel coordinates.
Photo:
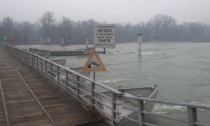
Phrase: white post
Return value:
(139, 42)
(87, 41)
(62, 42)
(5, 38)
(48, 40)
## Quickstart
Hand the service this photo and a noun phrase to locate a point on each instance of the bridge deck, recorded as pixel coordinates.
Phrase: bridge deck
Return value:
(32, 101)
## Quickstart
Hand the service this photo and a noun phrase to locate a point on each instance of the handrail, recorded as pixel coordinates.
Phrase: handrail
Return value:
(4, 106)
(167, 102)
(191, 109)
(76, 73)
(69, 84)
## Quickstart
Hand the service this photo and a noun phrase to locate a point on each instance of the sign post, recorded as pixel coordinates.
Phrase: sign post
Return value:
(104, 36)
(94, 64)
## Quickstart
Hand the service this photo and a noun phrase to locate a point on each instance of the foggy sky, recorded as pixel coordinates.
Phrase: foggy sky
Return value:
(111, 11)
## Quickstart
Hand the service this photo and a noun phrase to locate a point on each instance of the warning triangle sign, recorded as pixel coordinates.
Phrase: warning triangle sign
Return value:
(94, 63)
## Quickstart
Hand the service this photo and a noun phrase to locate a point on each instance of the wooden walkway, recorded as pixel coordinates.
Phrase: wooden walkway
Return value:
(26, 99)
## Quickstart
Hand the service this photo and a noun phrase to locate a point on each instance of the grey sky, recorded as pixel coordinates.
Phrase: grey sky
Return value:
(111, 11)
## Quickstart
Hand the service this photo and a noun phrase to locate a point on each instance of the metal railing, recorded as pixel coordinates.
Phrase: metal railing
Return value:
(79, 86)
(192, 112)
(90, 93)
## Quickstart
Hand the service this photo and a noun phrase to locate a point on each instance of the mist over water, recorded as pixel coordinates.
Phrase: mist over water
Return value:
(181, 71)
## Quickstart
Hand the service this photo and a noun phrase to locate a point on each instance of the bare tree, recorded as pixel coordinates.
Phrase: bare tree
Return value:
(7, 26)
(65, 29)
(1, 31)
(47, 20)
(160, 25)
(25, 30)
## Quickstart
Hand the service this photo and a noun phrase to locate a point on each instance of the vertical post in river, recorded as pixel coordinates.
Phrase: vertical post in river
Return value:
(62, 42)
(139, 42)
(87, 42)
(48, 40)
(41, 40)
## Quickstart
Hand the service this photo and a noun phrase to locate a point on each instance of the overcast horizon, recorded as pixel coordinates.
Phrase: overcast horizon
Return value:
(110, 11)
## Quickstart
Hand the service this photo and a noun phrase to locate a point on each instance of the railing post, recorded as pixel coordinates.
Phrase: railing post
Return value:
(77, 89)
(37, 62)
(41, 64)
(192, 116)
(32, 60)
(114, 108)
(140, 114)
(27, 54)
(25, 57)
(51, 70)
(45, 63)
(34, 63)
(58, 74)
(67, 79)
(22, 57)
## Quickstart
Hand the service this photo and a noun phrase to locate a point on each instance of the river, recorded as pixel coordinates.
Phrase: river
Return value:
(180, 70)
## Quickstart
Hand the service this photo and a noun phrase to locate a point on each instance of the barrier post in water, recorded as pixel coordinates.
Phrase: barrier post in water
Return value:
(139, 42)
(87, 42)
(62, 42)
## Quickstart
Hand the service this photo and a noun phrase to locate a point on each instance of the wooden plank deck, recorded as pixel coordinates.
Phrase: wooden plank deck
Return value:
(23, 108)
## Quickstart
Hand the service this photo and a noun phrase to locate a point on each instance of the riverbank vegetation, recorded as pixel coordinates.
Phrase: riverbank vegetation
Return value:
(50, 30)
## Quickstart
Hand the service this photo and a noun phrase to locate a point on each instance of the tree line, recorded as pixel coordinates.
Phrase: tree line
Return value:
(48, 30)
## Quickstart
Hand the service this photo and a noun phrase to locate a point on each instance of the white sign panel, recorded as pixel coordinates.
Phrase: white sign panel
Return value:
(104, 36)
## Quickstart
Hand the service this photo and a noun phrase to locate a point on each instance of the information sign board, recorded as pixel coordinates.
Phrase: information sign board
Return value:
(104, 36)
